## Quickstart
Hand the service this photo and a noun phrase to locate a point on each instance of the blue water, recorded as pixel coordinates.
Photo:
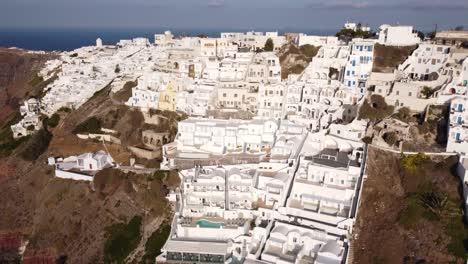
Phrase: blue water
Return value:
(209, 224)
(70, 39)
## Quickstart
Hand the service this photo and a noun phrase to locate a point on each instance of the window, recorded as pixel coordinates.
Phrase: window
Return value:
(410, 94)
(397, 92)
(224, 95)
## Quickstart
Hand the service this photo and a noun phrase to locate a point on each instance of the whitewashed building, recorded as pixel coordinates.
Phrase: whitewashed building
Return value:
(398, 35)
(425, 62)
(458, 130)
(359, 65)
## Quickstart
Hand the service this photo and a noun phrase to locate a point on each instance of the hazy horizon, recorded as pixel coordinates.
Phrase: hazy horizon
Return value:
(229, 14)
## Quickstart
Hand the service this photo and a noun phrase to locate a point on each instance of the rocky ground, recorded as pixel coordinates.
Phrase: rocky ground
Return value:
(17, 74)
(69, 219)
(294, 60)
(397, 224)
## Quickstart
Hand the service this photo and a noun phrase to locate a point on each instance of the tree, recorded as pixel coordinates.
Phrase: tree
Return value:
(269, 45)
(202, 35)
(459, 28)
(390, 138)
(431, 35)
(117, 69)
(427, 92)
(421, 34)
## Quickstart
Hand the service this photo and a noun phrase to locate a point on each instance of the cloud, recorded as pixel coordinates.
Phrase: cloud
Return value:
(216, 3)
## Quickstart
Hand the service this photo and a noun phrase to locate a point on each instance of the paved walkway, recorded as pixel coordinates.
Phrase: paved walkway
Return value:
(412, 152)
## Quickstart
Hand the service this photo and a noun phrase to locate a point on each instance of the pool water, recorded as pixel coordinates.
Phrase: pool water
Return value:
(209, 224)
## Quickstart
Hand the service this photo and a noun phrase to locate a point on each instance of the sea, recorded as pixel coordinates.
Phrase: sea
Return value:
(67, 39)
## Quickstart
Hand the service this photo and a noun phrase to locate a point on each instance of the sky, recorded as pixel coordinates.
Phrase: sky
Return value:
(231, 14)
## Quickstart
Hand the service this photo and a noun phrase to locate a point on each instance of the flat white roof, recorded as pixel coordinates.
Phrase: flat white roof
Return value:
(201, 247)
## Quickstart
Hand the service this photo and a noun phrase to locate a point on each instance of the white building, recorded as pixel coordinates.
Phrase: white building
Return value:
(30, 121)
(271, 101)
(458, 130)
(425, 62)
(238, 95)
(163, 39)
(359, 65)
(295, 244)
(254, 40)
(82, 167)
(324, 186)
(356, 26)
(317, 40)
(99, 42)
(398, 35)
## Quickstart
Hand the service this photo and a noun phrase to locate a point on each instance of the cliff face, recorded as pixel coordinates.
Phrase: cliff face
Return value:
(398, 222)
(68, 220)
(17, 71)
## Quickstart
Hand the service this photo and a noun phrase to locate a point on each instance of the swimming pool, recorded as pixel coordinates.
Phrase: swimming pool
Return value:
(209, 224)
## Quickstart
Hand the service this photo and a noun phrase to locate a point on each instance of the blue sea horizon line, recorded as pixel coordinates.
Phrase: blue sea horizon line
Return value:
(66, 39)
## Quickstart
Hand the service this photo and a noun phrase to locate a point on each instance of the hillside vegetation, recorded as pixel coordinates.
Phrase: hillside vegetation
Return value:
(295, 59)
(410, 212)
(387, 58)
(78, 222)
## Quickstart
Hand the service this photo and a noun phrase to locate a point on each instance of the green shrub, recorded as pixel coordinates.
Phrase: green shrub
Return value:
(404, 114)
(36, 80)
(367, 140)
(155, 242)
(65, 110)
(36, 145)
(390, 138)
(269, 45)
(92, 126)
(121, 240)
(413, 162)
(53, 121)
(427, 92)
(10, 144)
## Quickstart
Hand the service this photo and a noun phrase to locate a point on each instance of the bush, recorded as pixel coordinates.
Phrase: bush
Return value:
(121, 240)
(427, 92)
(74, 55)
(404, 114)
(390, 138)
(37, 145)
(413, 162)
(375, 109)
(367, 140)
(348, 34)
(36, 80)
(156, 241)
(53, 121)
(92, 126)
(269, 45)
(65, 109)
(410, 216)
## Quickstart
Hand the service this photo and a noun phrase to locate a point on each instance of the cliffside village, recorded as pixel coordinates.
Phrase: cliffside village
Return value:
(283, 186)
